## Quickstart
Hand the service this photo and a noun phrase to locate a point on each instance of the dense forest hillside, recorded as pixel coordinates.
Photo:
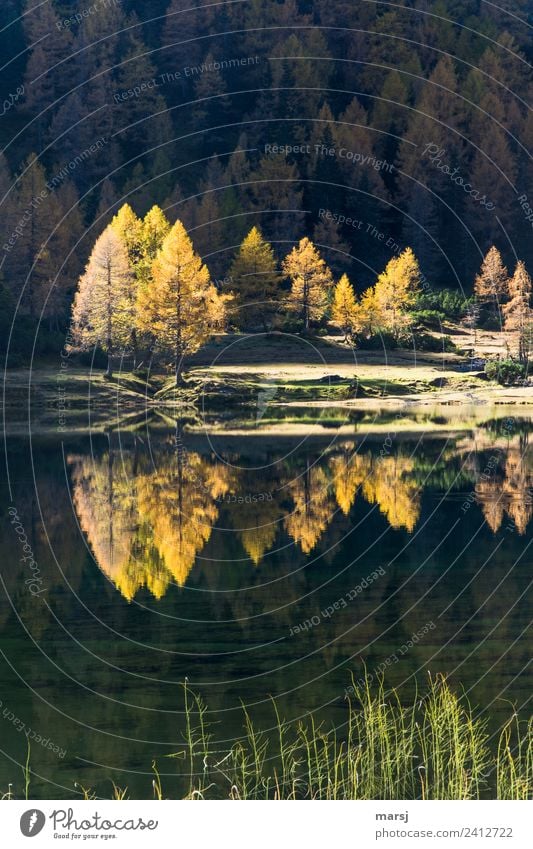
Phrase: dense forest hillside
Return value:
(406, 125)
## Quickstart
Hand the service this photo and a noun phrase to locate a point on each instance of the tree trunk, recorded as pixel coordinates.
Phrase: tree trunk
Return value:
(179, 370)
(134, 346)
(306, 306)
(109, 372)
(110, 500)
(179, 344)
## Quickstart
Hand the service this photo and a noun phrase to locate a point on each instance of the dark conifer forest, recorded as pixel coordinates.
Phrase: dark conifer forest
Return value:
(365, 126)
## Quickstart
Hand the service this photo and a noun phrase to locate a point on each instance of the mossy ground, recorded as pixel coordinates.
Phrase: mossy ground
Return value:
(255, 378)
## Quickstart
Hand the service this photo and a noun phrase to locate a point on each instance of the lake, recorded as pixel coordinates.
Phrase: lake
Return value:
(253, 567)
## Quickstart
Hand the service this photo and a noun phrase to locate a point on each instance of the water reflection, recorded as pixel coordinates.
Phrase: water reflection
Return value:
(146, 526)
(211, 554)
(507, 489)
(149, 511)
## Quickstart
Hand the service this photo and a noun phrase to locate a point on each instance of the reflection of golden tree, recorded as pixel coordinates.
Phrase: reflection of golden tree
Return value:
(177, 503)
(396, 493)
(258, 526)
(312, 509)
(257, 541)
(105, 504)
(491, 505)
(508, 491)
(252, 508)
(386, 481)
(179, 513)
(146, 529)
(145, 567)
(349, 471)
(146, 525)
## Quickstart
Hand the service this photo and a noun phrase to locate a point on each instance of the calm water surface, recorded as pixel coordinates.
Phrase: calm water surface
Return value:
(253, 568)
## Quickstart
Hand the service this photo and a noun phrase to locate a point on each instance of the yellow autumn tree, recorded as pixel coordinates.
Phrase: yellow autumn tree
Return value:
(368, 315)
(255, 280)
(344, 311)
(104, 308)
(311, 281)
(128, 226)
(396, 290)
(518, 315)
(492, 282)
(181, 307)
(154, 230)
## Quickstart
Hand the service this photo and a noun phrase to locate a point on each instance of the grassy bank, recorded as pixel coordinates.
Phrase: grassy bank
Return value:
(104, 406)
(436, 746)
(259, 378)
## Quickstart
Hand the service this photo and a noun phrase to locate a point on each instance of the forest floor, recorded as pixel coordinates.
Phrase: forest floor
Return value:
(275, 381)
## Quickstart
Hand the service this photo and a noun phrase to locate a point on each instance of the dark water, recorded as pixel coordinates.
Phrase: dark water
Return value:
(253, 568)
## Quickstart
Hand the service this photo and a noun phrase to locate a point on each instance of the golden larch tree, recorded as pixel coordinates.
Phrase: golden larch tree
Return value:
(104, 311)
(255, 281)
(368, 314)
(518, 315)
(344, 307)
(311, 282)
(396, 290)
(492, 282)
(181, 307)
(154, 230)
(128, 227)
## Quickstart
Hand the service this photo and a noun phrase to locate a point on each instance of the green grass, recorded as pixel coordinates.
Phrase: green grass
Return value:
(434, 746)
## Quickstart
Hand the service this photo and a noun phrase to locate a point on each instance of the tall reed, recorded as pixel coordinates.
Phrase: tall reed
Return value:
(435, 746)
